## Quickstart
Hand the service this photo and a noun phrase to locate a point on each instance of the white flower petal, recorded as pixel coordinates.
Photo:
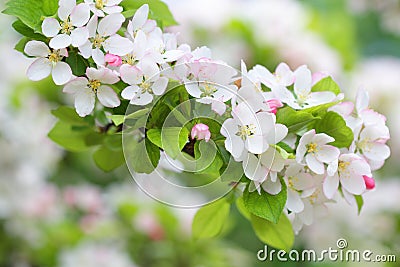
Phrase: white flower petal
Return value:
(60, 41)
(318, 98)
(37, 49)
(142, 99)
(256, 144)
(302, 147)
(79, 36)
(50, 27)
(253, 169)
(331, 185)
(108, 97)
(272, 188)
(193, 89)
(362, 100)
(160, 85)
(234, 144)
(84, 102)
(113, 9)
(65, 8)
(302, 85)
(139, 19)
(92, 26)
(109, 77)
(98, 57)
(130, 92)
(218, 107)
(61, 73)
(80, 15)
(354, 184)
(75, 85)
(118, 45)
(39, 69)
(294, 202)
(327, 153)
(131, 74)
(110, 24)
(314, 165)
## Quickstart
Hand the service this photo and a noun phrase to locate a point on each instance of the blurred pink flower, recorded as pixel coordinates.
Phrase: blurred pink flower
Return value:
(201, 131)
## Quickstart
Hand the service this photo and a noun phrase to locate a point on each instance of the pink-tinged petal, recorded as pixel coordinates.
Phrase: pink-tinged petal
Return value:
(113, 60)
(79, 36)
(130, 92)
(61, 73)
(344, 109)
(131, 74)
(118, 45)
(256, 144)
(327, 153)
(84, 102)
(92, 26)
(108, 97)
(331, 185)
(318, 76)
(376, 151)
(372, 133)
(109, 77)
(150, 26)
(362, 100)
(253, 169)
(113, 9)
(86, 50)
(376, 164)
(110, 24)
(371, 117)
(271, 187)
(318, 98)
(139, 19)
(369, 182)
(39, 69)
(60, 41)
(142, 99)
(294, 202)
(37, 49)
(65, 8)
(173, 55)
(80, 15)
(50, 27)
(354, 184)
(160, 85)
(302, 84)
(285, 74)
(98, 57)
(315, 165)
(76, 85)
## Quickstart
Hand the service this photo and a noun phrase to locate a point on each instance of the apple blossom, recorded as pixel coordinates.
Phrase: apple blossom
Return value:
(274, 104)
(49, 61)
(113, 60)
(103, 35)
(313, 147)
(349, 171)
(282, 77)
(371, 143)
(85, 90)
(144, 82)
(100, 7)
(200, 131)
(70, 29)
(369, 182)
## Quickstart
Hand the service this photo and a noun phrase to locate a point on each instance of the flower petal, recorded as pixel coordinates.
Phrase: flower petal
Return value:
(108, 97)
(302, 84)
(110, 24)
(354, 184)
(50, 27)
(118, 45)
(80, 15)
(60, 41)
(79, 36)
(271, 187)
(98, 57)
(75, 85)
(92, 26)
(160, 85)
(331, 185)
(130, 92)
(131, 74)
(139, 19)
(327, 153)
(84, 102)
(294, 202)
(37, 49)
(253, 169)
(256, 144)
(61, 73)
(142, 99)
(314, 165)
(39, 69)
(113, 9)
(65, 8)
(109, 77)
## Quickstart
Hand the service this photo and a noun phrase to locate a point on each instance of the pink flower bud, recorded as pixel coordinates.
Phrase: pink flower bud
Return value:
(369, 182)
(201, 131)
(113, 60)
(274, 104)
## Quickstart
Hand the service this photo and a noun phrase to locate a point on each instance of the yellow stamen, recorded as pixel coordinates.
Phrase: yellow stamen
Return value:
(94, 85)
(312, 147)
(246, 130)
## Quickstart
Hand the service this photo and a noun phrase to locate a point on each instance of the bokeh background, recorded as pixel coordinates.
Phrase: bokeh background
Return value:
(58, 209)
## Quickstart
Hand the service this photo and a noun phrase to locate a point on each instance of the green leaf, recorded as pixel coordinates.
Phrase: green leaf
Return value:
(66, 136)
(207, 158)
(295, 120)
(242, 208)
(68, 115)
(265, 205)
(113, 142)
(171, 139)
(77, 63)
(21, 28)
(31, 12)
(319, 111)
(326, 84)
(158, 10)
(360, 203)
(143, 156)
(117, 119)
(137, 114)
(279, 235)
(335, 126)
(20, 46)
(107, 159)
(209, 220)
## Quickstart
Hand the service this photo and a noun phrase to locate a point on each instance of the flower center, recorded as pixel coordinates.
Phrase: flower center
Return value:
(94, 85)
(207, 90)
(98, 41)
(364, 145)
(312, 147)
(302, 98)
(246, 130)
(55, 56)
(129, 59)
(99, 4)
(342, 168)
(66, 27)
(146, 87)
(313, 198)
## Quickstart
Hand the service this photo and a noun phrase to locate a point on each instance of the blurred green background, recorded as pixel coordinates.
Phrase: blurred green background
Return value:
(58, 209)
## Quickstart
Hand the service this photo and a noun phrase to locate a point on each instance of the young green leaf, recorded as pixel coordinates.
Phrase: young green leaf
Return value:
(295, 120)
(66, 136)
(265, 205)
(209, 220)
(279, 235)
(242, 208)
(77, 63)
(326, 84)
(360, 203)
(335, 126)
(171, 139)
(69, 115)
(143, 156)
(24, 30)
(107, 159)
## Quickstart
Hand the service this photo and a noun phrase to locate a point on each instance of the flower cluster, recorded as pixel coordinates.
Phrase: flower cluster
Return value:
(289, 129)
